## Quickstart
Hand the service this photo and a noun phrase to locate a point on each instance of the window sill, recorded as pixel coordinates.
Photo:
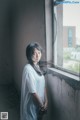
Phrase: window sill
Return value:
(65, 74)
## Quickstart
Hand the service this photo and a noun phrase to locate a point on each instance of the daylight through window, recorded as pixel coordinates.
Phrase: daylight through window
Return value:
(67, 37)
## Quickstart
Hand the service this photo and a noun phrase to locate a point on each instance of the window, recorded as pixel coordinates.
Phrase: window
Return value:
(70, 34)
(66, 30)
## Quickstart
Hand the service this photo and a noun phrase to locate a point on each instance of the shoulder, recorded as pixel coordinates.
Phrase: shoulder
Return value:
(28, 68)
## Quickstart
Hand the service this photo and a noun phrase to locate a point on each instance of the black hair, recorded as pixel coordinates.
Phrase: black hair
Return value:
(30, 50)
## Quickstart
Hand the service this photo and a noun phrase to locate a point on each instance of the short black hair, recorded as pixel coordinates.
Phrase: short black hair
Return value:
(30, 50)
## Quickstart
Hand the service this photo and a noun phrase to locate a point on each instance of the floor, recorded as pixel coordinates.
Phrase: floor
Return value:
(9, 101)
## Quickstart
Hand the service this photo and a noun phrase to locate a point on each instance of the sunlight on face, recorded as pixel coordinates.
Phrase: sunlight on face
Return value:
(36, 56)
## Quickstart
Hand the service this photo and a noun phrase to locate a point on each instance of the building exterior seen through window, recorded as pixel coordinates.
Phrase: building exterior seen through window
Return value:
(67, 37)
(70, 39)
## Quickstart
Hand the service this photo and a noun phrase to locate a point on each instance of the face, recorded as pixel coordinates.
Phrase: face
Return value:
(36, 56)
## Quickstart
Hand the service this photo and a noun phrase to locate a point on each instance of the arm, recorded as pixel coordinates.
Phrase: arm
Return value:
(37, 100)
(46, 100)
(42, 106)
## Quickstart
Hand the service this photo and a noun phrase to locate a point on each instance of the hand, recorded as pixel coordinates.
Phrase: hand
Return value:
(42, 108)
(45, 105)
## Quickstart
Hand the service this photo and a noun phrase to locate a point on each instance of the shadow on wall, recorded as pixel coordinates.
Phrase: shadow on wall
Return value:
(64, 98)
(53, 111)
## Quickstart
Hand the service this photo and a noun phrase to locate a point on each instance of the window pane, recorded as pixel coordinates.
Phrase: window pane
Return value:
(67, 37)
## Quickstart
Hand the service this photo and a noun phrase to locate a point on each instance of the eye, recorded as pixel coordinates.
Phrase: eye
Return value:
(34, 53)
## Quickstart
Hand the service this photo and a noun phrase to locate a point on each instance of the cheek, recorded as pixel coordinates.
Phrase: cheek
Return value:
(33, 57)
(40, 56)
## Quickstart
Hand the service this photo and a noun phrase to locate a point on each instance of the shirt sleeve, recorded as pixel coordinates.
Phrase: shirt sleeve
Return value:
(30, 80)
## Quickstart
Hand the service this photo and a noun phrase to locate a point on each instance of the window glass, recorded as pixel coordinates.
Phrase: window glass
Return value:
(67, 37)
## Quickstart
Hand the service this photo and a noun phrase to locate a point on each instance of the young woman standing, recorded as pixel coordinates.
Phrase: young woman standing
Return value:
(33, 92)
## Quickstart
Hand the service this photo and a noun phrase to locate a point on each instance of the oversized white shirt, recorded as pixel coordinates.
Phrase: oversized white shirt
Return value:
(31, 83)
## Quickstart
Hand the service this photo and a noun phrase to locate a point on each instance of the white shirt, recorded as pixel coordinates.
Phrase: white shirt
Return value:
(31, 83)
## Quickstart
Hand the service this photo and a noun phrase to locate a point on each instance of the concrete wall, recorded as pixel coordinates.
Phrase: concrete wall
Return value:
(64, 98)
(5, 43)
(29, 27)
(21, 22)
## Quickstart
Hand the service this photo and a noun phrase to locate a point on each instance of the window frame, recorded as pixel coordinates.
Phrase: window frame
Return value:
(55, 66)
(49, 6)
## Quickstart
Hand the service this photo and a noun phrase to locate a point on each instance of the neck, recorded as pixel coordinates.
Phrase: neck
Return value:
(35, 63)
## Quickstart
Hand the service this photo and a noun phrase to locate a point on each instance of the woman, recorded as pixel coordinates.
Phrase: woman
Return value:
(33, 92)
